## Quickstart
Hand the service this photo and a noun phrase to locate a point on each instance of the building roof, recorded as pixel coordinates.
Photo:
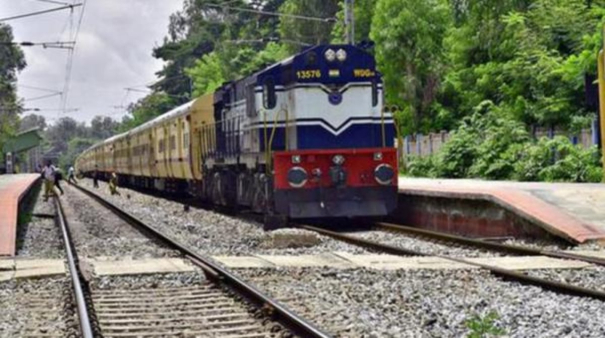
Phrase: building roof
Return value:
(23, 141)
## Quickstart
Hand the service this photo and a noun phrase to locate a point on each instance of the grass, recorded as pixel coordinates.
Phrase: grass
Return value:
(484, 326)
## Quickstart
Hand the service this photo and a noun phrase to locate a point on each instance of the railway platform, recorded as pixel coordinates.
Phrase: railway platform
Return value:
(13, 188)
(492, 209)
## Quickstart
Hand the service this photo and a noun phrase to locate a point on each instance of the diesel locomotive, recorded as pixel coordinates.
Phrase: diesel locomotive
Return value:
(304, 138)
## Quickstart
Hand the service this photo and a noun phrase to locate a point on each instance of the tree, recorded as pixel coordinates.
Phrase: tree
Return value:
(11, 62)
(61, 132)
(146, 109)
(307, 31)
(103, 127)
(529, 57)
(193, 32)
(32, 121)
(409, 51)
(75, 147)
(363, 12)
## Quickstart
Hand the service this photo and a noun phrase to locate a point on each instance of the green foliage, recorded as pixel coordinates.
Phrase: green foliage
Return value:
(409, 51)
(528, 57)
(492, 145)
(484, 326)
(210, 72)
(146, 109)
(427, 166)
(102, 127)
(11, 61)
(363, 12)
(62, 131)
(207, 74)
(32, 121)
(307, 31)
(484, 146)
(558, 160)
(75, 146)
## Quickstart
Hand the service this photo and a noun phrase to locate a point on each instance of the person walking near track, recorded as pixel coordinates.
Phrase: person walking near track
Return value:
(113, 184)
(48, 173)
(58, 178)
(95, 177)
(71, 177)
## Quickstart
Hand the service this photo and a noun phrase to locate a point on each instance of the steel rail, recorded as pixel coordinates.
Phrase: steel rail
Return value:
(291, 320)
(518, 250)
(85, 327)
(504, 273)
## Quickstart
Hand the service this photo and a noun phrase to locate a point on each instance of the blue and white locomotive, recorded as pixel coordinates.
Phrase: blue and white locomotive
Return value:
(304, 138)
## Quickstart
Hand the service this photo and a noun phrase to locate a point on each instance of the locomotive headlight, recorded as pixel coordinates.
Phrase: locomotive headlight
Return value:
(378, 156)
(338, 159)
(341, 55)
(296, 159)
(384, 174)
(297, 177)
(330, 55)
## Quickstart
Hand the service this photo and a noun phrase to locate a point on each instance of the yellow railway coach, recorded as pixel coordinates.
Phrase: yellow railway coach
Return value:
(160, 153)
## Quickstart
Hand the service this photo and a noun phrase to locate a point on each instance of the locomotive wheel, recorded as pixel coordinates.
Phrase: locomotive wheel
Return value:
(274, 222)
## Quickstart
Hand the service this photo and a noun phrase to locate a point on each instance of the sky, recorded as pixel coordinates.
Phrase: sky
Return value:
(113, 52)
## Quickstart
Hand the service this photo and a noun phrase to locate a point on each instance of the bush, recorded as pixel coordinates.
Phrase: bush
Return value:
(492, 145)
(423, 167)
(558, 160)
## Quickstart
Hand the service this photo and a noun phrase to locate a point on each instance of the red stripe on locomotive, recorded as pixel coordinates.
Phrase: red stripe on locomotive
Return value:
(359, 165)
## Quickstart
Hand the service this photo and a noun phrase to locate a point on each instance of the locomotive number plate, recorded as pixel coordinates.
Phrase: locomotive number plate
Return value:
(363, 73)
(308, 74)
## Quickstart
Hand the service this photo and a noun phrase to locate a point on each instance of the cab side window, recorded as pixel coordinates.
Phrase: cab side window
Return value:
(269, 96)
(374, 93)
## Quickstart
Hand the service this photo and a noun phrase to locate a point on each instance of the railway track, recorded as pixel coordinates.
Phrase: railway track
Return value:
(484, 245)
(225, 305)
(478, 244)
(558, 287)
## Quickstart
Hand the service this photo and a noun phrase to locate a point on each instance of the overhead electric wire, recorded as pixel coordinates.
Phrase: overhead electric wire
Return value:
(21, 16)
(53, 2)
(256, 11)
(38, 88)
(43, 97)
(70, 57)
(55, 44)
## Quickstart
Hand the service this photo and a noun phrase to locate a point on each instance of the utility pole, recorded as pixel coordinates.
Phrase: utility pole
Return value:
(601, 65)
(350, 21)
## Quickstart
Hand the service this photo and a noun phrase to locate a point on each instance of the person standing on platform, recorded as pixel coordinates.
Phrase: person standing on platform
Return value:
(48, 173)
(113, 184)
(58, 178)
(95, 177)
(71, 177)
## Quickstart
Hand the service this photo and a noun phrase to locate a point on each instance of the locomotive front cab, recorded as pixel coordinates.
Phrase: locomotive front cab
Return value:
(340, 159)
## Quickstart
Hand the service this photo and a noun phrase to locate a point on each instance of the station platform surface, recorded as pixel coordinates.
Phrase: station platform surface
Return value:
(574, 211)
(12, 190)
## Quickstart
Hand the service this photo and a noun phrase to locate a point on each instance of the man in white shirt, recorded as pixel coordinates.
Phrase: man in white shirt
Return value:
(48, 173)
(71, 177)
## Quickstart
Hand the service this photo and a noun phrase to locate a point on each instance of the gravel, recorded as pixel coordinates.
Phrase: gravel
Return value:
(425, 246)
(554, 246)
(216, 234)
(39, 237)
(592, 278)
(37, 306)
(44, 207)
(97, 232)
(154, 281)
(370, 303)
(426, 303)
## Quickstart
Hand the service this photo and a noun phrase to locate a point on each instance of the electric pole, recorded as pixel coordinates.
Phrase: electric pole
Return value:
(350, 21)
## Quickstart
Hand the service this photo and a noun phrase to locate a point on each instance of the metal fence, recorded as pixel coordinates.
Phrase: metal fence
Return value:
(426, 145)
